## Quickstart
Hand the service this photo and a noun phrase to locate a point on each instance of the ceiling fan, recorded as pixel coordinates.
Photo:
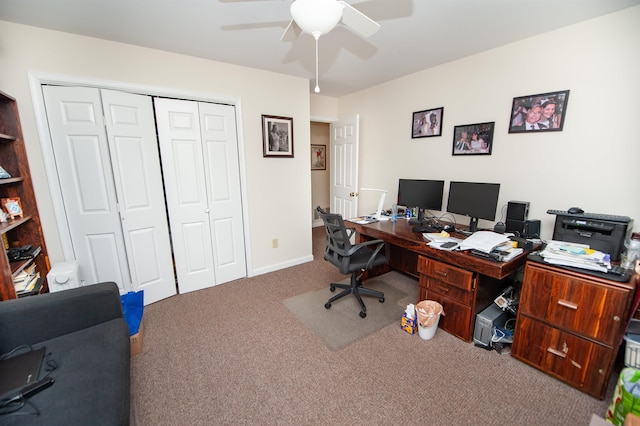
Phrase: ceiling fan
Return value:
(318, 17)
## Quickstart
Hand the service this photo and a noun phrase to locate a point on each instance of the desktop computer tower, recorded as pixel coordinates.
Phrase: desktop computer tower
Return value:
(486, 320)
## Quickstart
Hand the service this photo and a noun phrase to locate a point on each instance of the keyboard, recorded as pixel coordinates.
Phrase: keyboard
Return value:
(427, 228)
(593, 216)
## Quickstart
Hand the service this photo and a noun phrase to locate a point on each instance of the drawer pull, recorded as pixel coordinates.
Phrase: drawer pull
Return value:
(567, 304)
(556, 352)
(443, 273)
(443, 289)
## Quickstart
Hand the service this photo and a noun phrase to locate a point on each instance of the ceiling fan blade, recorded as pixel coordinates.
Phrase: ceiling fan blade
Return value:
(358, 21)
(292, 32)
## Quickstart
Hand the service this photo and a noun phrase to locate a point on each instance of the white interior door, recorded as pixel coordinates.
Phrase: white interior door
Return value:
(86, 182)
(135, 160)
(222, 174)
(344, 141)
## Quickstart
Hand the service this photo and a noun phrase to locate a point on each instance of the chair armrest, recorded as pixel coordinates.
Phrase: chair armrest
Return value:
(34, 319)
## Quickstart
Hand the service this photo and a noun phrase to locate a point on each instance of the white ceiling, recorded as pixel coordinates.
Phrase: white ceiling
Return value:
(414, 34)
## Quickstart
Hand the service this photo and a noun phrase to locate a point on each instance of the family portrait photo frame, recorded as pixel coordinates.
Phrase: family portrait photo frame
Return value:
(277, 136)
(544, 112)
(427, 123)
(318, 157)
(473, 139)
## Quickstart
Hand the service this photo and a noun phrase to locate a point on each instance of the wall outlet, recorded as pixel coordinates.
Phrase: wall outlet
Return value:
(274, 243)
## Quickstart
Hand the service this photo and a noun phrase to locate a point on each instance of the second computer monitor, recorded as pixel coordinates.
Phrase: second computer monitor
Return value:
(421, 193)
(474, 199)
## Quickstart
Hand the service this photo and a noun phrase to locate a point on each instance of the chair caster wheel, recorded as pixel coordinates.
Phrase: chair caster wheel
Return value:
(332, 288)
(381, 300)
(363, 314)
(327, 305)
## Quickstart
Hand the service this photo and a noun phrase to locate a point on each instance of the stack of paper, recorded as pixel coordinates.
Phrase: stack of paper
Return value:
(485, 241)
(576, 255)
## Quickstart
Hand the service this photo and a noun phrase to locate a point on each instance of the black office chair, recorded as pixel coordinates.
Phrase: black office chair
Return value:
(350, 259)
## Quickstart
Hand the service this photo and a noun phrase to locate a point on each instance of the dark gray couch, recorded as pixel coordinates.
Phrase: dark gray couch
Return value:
(87, 338)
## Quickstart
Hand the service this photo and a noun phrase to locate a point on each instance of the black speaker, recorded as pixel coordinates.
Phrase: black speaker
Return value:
(532, 229)
(517, 212)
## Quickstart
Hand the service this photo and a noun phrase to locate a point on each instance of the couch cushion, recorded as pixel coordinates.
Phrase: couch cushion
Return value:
(92, 380)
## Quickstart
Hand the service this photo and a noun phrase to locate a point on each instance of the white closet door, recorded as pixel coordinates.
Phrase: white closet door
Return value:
(198, 143)
(86, 181)
(222, 172)
(111, 184)
(136, 165)
(178, 125)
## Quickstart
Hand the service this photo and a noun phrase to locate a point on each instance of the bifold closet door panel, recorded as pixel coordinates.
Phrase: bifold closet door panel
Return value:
(222, 174)
(86, 181)
(135, 159)
(178, 126)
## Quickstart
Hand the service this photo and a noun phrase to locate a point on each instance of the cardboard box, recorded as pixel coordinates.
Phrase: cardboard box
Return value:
(136, 340)
(410, 325)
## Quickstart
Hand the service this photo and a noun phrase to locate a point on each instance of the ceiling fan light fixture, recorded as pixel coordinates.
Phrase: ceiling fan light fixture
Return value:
(316, 16)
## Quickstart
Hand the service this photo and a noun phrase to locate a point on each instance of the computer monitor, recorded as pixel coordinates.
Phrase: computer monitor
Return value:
(420, 193)
(473, 199)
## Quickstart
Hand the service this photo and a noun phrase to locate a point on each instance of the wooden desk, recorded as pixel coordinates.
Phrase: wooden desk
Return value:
(464, 284)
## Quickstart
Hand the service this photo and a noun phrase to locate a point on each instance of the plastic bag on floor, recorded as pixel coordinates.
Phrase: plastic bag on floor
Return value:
(429, 312)
(626, 397)
(133, 308)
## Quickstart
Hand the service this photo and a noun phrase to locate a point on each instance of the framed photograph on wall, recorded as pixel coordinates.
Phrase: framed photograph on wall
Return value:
(277, 136)
(318, 157)
(473, 139)
(544, 112)
(427, 123)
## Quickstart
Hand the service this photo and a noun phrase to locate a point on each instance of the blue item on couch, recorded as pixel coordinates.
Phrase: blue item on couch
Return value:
(133, 307)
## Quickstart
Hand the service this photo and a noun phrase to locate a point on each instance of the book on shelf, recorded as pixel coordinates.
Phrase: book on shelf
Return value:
(29, 285)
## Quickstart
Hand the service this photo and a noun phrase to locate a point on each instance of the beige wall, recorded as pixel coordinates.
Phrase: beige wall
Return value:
(278, 189)
(593, 163)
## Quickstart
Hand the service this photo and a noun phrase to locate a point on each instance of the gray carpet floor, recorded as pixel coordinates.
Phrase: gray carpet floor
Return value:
(235, 354)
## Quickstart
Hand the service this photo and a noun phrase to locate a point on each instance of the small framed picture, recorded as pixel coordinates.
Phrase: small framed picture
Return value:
(544, 112)
(277, 136)
(473, 139)
(427, 123)
(318, 157)
(12, 207)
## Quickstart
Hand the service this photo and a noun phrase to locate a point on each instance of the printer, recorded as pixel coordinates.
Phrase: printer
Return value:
(602, 232)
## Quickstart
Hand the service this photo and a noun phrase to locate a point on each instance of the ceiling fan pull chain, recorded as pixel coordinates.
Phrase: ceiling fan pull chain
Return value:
(317, 89)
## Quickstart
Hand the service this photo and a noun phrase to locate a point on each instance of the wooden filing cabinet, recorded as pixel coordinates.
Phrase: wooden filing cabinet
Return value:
(570, 325)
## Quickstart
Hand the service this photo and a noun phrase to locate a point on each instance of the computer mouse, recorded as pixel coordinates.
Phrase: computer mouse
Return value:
(575, 210)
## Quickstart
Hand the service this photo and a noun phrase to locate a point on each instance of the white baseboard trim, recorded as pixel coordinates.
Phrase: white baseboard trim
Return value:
(277, 267)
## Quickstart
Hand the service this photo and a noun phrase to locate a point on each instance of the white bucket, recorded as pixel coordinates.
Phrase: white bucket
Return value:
(428, 332)
(429, 312)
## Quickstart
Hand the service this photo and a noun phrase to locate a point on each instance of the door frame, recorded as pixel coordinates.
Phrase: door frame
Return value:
(37, 79)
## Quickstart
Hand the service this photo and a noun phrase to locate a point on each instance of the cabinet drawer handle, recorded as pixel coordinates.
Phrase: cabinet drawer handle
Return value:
(443, 289)
(567, 304)
(557, 352)
(443, 273)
